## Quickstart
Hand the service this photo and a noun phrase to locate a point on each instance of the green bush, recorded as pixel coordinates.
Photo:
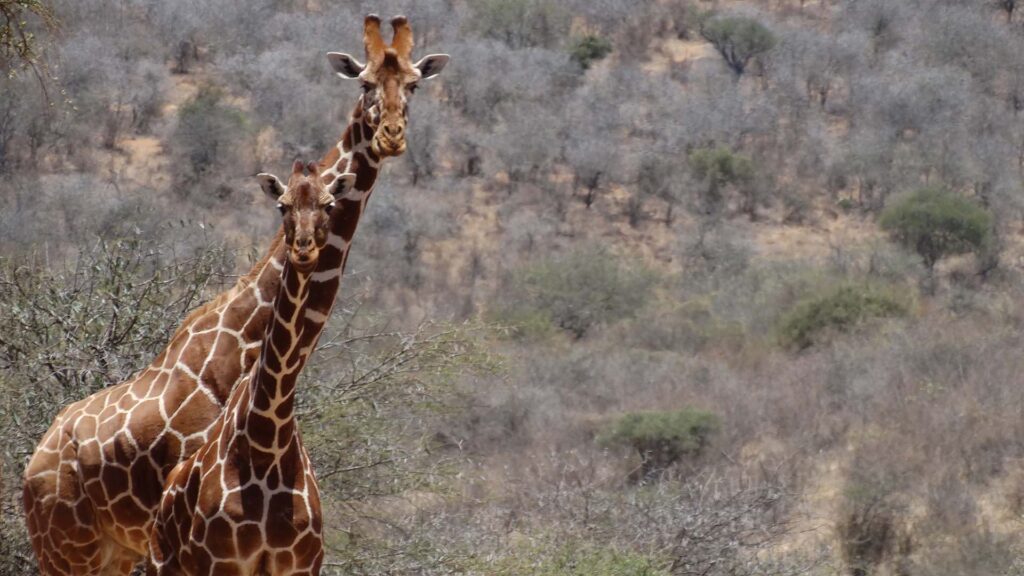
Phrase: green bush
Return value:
(935, 222)
(587, 49)
(576, 291)
(661, 438)
(719, 167)
(738, 39)
(847, 205)
(840, 309)
(208, 134)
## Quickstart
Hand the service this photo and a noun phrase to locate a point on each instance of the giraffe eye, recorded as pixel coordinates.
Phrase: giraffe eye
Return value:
(282, 208)
(412, 88)
(329, 207)
(368, 87)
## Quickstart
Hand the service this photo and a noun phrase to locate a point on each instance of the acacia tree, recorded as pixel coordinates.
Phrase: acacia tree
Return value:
(719, 167)
(935, 223)
(662, 438)
(738, 39)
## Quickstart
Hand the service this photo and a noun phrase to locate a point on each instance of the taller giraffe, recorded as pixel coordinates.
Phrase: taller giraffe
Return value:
(93, 484)
(247, 501)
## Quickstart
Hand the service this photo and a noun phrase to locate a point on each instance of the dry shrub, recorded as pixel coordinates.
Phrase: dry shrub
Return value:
(1014, 494)
(976, 552)
(872, 518)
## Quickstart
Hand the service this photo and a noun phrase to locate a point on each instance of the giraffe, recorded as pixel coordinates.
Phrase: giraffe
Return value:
(247, 501)
(92, 486)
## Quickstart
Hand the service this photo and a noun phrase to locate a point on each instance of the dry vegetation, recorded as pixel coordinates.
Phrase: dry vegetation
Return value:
(663, 287)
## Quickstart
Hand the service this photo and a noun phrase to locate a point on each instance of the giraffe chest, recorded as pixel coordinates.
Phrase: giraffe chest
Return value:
(247, 514)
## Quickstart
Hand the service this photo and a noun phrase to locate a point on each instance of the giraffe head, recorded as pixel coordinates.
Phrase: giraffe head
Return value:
(389, 79)
(305, 205)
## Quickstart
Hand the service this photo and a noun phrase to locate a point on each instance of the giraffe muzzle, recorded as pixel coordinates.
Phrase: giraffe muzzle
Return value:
(389, 140)
(304, 259)
(386, 147)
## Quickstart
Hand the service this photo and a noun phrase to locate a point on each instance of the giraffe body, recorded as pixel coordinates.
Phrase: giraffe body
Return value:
(92, 487)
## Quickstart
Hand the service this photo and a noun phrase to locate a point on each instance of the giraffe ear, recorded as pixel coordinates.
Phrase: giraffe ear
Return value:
(346, 66)
(341, 185)
(432, 65)
(271, 185)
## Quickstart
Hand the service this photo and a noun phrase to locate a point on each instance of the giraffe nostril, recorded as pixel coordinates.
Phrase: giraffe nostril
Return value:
(393, 130)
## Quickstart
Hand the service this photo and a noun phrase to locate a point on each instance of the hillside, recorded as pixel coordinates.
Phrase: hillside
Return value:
(645, 294)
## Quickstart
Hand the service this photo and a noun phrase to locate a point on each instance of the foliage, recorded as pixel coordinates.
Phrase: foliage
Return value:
(714, 523)
(208, 132)
(839, 309)
(738, 39)
(371, 405)
(365, 379)
(662, 438)
(588, 49)
(577, 291)
(94, 321)
(18, 42)
(718, 167)
(935, 223)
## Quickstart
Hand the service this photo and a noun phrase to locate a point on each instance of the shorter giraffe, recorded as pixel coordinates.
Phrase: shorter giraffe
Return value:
(246, 502)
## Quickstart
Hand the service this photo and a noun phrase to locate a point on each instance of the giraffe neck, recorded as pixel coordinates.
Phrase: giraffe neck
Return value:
(351, 155)
(268, 419)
